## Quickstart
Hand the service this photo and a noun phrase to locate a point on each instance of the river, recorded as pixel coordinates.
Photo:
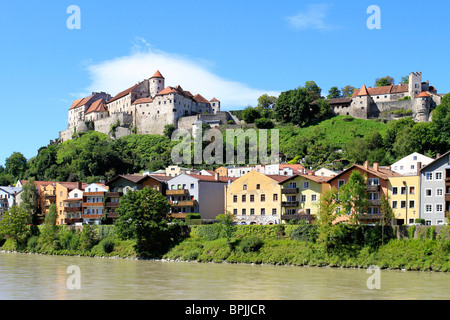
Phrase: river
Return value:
(42, 277)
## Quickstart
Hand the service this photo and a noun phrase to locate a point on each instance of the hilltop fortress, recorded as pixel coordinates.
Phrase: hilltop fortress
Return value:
(415, 99)
(144, 108)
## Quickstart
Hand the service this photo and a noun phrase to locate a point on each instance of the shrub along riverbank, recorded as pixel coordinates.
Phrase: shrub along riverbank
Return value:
(298, 245)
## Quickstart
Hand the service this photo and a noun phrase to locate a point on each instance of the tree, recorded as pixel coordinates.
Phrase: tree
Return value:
(353, 196)
(327, 208)
(16, 165)
(142, 216)
(168, 130)
(387, 214)
(266, 102)
(14, 223)
(334, 93)
(385, 81)
(226, 226)
(405, 80)
(313, 89)
(347, 91)
(250, 114)
(30, 198)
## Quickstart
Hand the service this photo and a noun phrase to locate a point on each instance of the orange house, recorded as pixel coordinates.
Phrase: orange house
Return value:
(377, 179)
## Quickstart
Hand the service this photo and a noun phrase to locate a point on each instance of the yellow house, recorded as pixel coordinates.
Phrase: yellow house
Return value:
(300, 196)
(62, 193)
(48, 197)
(403, 196)
(255, 198)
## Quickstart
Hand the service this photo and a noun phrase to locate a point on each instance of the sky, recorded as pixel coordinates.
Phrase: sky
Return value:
(232, 50)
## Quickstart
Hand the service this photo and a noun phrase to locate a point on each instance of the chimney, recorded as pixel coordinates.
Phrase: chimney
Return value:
(376, 166)
(366, 165)
(419, 166)
(80, 184)
(216, 176)
(438, 156)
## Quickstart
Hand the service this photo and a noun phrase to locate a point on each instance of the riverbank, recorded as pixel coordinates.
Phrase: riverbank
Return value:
(273, 245)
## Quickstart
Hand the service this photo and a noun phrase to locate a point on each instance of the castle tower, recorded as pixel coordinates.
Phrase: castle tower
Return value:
(156, 83)
(422, 107)
(415, 84)
(360, 107)
(215, 104)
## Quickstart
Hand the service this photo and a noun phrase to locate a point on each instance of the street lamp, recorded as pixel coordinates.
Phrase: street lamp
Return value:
(406, 203)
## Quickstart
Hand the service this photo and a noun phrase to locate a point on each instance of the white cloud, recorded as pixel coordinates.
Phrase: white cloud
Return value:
(315, 18)
(116, 75)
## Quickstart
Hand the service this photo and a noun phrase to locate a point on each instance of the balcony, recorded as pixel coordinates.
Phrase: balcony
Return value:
(99, 193)
(376, 202)
(70, 221)
(447, 197)
(370, 216)
(114, 194)
(285, 204)
(189, 203)
(373, 188)
(50, 196)
(295, 216)
(112, 215)
(178, 192)
(93, 216)
(178, 215)
(73, 209)
(289, 191)
(112, 204)
(92, 204)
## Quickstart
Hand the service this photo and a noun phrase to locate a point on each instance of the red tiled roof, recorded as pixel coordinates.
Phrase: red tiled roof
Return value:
(364, 91)
(97, 106)
(157, 75)
(199, 98)
(80, 102)
(214, 100)
(211, 178)
(123, 93)
(143, 100)
(278, 178)
(169, 90)
(423, 94)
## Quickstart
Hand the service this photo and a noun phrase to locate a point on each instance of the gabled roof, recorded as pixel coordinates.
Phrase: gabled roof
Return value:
(199, 98)
(97, 106)
(80, 102)
(437, 159)
(423, 94)
(210, 178)
(11, 190)
(318, 179)
(123, 93)
(157, 75)
(142, 101)
(364, 91)
(72, 185)
(383, 173)
(214, 100)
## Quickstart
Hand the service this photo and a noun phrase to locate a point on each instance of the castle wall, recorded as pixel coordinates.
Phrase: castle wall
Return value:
(376, 109)
(104, 125)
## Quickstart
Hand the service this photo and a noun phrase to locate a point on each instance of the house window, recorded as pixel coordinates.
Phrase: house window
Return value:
(244, 198)
(394, 204)
(263, 211)
(252, 198)
(439, 192)
(303, 198)
(314, 197)
(244, 212)
(275, 197)
(341, 183)
(412, 190)
(438, 176)
(428, 208)
(258, 186)
(412, 204)
(192, 186)
(428, 222)
(235, 198)
(235, 212)
(244, 187)
(429, 176)
(306, 184)
(252, 211)
(374, 181)
(372, 210)
(403, 204)
(263, 197)
(428, 192)
(439, 207)
(414, 158)
(274, 211)
(403, 190)
(394, 190)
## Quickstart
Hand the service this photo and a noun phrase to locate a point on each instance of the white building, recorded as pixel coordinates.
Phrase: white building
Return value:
(408, 165)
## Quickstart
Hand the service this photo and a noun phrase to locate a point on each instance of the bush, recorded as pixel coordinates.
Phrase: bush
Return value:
(33, 244)
(421, 221)
(192, 218)
(263, 123)
(107, 244)
(250, 244)
(305, 232)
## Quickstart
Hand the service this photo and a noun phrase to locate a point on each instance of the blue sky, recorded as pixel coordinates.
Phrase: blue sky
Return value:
(232, 50)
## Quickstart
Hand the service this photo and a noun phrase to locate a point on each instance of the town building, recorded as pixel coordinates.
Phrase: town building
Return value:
(301, 197)
(93, 203)
(190, 193)
(404, 198)
(73, 207)
(435, 190)
(255, 198)
(61, 193)
(409, 165)
(8, 198)
(377, 187)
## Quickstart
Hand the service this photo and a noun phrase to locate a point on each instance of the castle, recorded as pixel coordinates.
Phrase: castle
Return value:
(144, 108)
(415, 99)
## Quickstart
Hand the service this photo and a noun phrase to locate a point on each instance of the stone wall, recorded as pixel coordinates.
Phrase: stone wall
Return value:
(187, 122)
(125, 122)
